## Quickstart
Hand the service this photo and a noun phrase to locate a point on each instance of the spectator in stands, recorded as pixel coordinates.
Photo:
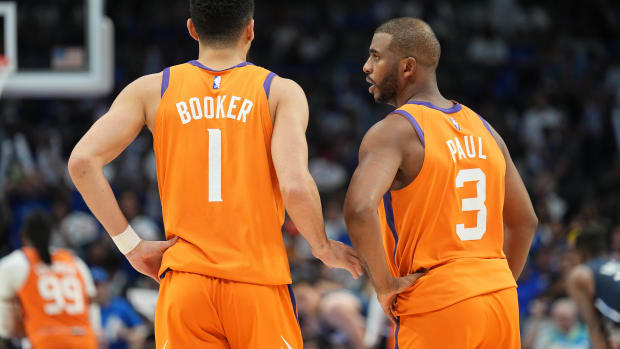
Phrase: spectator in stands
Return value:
(329, 315)
(122, 326)
(563, 330)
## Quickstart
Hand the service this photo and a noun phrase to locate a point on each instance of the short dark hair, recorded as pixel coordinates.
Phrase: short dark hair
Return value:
(220, 22)
(413, 37)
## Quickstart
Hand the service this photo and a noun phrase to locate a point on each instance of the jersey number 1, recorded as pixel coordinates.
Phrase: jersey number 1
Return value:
(473, 204)
(215, 165)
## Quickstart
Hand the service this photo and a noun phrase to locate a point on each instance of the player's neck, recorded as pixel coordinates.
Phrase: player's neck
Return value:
(424, 92)
(221, 58)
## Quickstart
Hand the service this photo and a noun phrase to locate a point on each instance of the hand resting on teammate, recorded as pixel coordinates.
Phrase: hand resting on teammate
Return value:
(338, 255)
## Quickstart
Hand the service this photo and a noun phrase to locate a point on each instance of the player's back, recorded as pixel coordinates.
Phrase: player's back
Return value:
(55, 302)
(219, 190)
(448, 220)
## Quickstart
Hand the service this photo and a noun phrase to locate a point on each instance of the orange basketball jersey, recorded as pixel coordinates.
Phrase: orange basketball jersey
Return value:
(449, 219)
(218, 187)
(55, 303)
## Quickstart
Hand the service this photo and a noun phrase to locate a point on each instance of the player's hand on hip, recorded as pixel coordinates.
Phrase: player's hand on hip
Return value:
(338, 255)
(387, 297)
(146, 257)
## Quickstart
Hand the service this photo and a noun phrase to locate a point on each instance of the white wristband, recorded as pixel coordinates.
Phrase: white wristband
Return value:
(127, 240)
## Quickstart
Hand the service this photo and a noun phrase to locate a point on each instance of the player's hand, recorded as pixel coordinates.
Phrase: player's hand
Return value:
(146, 257)
(338, 255)
(387, 297)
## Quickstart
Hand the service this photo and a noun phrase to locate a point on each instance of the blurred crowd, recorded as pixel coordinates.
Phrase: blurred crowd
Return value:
(545, 74)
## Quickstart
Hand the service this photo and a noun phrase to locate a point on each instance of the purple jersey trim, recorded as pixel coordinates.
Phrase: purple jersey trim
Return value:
(453, 109)
(413, 121)
(165, 80)
(200, 65)
(389, 217)
(267, 83)
(486, 124)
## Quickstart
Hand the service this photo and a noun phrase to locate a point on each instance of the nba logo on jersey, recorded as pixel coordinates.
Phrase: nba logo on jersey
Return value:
(217, 81)
(455, 124)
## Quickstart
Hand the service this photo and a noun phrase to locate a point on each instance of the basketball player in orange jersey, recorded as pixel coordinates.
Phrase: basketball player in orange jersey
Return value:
(229, 141)
(448, 198)
(53, 290)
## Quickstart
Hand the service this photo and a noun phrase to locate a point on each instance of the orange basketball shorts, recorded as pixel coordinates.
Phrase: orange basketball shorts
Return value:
(197, 311)
(488, 321)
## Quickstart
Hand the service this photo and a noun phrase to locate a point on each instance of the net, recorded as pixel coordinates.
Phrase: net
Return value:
(5, 70)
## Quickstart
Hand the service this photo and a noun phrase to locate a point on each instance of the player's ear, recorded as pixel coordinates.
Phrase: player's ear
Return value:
(249, 31)
(192, 30)
(409, 66)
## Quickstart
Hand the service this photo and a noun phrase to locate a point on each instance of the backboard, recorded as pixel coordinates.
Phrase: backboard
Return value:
(8, 44)
(60, 48)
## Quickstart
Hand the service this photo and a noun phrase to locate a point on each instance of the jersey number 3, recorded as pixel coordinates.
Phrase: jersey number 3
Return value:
(473, 204)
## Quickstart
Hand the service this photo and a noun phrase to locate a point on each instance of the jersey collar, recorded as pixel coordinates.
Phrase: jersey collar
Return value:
(456, 107)
(200, 65)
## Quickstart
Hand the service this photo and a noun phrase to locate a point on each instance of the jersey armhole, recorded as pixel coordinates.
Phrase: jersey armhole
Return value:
(267, 83)
(165, 81)
(413, 122)
(488, 127)
(486, 124)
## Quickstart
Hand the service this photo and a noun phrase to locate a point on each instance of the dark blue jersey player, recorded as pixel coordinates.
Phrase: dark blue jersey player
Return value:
(595, 287)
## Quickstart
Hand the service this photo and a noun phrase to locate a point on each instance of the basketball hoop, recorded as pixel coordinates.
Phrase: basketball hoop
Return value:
(5, 70)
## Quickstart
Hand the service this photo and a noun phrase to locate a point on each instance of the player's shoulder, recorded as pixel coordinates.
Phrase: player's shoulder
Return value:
(468, 109)
(476, 117)
(469, 112)
(143, 87)
(390, 131)
(392, 123)
(275, 85)
(257, 69)
(281, 88)
(17, 257)
(282, 84)
(148, 82)
(14, 268)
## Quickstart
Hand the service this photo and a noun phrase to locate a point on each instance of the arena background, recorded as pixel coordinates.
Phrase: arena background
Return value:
(545, 74)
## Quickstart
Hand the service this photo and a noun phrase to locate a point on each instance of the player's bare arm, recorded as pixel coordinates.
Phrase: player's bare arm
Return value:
(580, 287)
(381, 155)
(103, 142)
(289, 151)
(520, 221)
